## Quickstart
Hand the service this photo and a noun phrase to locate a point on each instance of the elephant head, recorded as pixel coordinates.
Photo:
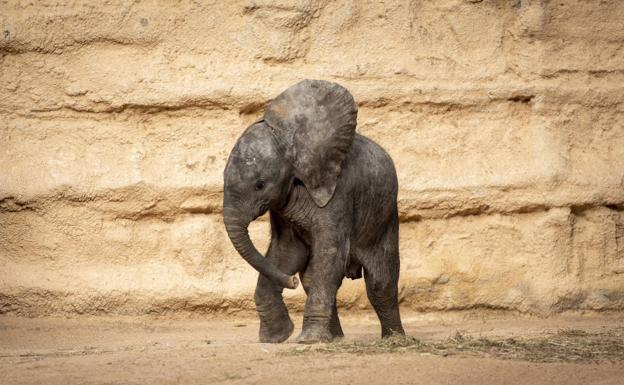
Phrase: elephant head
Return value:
(305, 134)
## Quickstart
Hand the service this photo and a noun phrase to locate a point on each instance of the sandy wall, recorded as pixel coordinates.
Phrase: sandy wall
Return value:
(505, 120)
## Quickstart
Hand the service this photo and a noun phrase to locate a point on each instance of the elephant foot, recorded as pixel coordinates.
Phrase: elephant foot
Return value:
(336, 331)
(337, 335)
(391, 332)
(312, 336)
(269, 333)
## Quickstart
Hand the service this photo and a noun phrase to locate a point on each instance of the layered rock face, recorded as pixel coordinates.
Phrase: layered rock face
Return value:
(505, 120)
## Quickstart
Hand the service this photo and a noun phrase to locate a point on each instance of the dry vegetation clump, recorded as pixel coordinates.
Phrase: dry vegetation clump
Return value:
(564, 345)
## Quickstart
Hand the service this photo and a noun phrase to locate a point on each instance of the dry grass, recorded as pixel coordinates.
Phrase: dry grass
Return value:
(564, 345)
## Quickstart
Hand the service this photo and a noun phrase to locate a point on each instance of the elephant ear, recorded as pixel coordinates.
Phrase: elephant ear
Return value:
(315, 120)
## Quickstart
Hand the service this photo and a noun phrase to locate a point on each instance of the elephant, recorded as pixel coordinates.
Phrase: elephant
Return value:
(331, 194)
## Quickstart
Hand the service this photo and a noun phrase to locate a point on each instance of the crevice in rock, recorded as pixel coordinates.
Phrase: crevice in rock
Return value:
(11, 204)
(141, 202)
(59, 49)
(521, 98)
(139, 108)
(252, 108)
(580, 209)
(484, 209)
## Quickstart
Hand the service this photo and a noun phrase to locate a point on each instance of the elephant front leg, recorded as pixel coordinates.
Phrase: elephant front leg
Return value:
(289, 254)
(324, 275)
(275, 323)
(334, 323)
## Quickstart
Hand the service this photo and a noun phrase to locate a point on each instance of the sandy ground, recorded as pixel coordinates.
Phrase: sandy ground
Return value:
(124, 350)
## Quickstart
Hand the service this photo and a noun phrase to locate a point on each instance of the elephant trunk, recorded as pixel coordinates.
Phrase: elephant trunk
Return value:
(237, 232)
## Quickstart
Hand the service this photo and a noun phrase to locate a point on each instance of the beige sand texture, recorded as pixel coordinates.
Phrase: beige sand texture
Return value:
(170, 350)
(505, 119)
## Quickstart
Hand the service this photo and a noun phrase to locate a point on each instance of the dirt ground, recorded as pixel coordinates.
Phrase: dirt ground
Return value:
(145, 350)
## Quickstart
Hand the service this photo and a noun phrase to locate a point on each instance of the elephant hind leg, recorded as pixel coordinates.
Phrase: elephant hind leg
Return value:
(383, 295)
(381, 274)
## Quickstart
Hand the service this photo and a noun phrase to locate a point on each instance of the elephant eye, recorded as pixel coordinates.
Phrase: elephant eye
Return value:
(259, 185)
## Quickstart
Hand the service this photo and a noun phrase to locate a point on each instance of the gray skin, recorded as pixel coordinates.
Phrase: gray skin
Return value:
(332, 198)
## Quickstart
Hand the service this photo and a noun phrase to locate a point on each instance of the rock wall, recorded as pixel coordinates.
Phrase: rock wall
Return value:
(505, 120)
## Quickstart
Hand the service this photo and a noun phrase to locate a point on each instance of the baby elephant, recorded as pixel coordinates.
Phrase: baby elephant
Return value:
(332, 198)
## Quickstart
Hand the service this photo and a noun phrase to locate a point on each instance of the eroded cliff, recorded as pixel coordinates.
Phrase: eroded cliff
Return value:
(505, 120)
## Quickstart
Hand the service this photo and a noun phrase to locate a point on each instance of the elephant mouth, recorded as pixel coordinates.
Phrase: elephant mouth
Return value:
(262, 209)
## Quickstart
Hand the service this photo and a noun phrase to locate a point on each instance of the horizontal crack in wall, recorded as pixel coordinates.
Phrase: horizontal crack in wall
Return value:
(138, 204)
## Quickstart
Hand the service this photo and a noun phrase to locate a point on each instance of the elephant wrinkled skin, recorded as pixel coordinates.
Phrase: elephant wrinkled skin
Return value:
(332, 197)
